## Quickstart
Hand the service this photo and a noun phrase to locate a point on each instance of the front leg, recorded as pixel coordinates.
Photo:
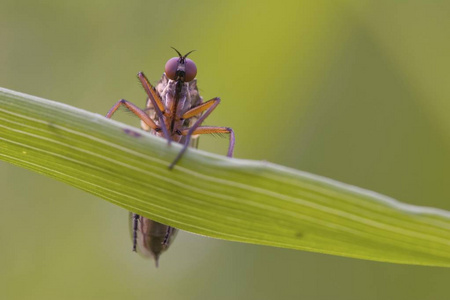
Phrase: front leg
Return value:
(209, 106)
(157, 104)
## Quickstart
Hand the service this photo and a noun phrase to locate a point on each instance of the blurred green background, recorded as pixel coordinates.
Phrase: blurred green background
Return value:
(357, 91)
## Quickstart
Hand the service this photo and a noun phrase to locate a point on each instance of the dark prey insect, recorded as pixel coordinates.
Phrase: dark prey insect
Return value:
(175, 111)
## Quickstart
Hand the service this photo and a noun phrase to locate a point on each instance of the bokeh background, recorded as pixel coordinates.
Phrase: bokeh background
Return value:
(357, 91)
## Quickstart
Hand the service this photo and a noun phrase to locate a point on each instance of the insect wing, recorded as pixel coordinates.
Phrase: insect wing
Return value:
(151, 238)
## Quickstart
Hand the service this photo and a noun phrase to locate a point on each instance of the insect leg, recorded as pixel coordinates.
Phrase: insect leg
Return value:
(157, 103)
(134, 109)
(167, 236)
(209, 106)
(200, 108)
(212, 130)
(135, 229)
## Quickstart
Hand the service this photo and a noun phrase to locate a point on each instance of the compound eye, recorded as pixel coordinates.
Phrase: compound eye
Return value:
(171, 67)
(191, 70)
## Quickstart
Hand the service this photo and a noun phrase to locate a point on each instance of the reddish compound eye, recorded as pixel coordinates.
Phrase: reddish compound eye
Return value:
(172, 65)
(191, 70)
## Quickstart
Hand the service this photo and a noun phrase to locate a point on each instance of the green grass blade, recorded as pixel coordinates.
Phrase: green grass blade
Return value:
(233, 199)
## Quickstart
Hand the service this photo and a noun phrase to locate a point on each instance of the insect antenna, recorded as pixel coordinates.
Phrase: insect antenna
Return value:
(179, 54)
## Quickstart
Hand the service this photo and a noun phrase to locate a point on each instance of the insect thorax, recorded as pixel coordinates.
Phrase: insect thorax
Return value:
(187, 98)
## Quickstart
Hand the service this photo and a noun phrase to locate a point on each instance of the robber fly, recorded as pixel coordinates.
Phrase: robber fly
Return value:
(174, 111)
